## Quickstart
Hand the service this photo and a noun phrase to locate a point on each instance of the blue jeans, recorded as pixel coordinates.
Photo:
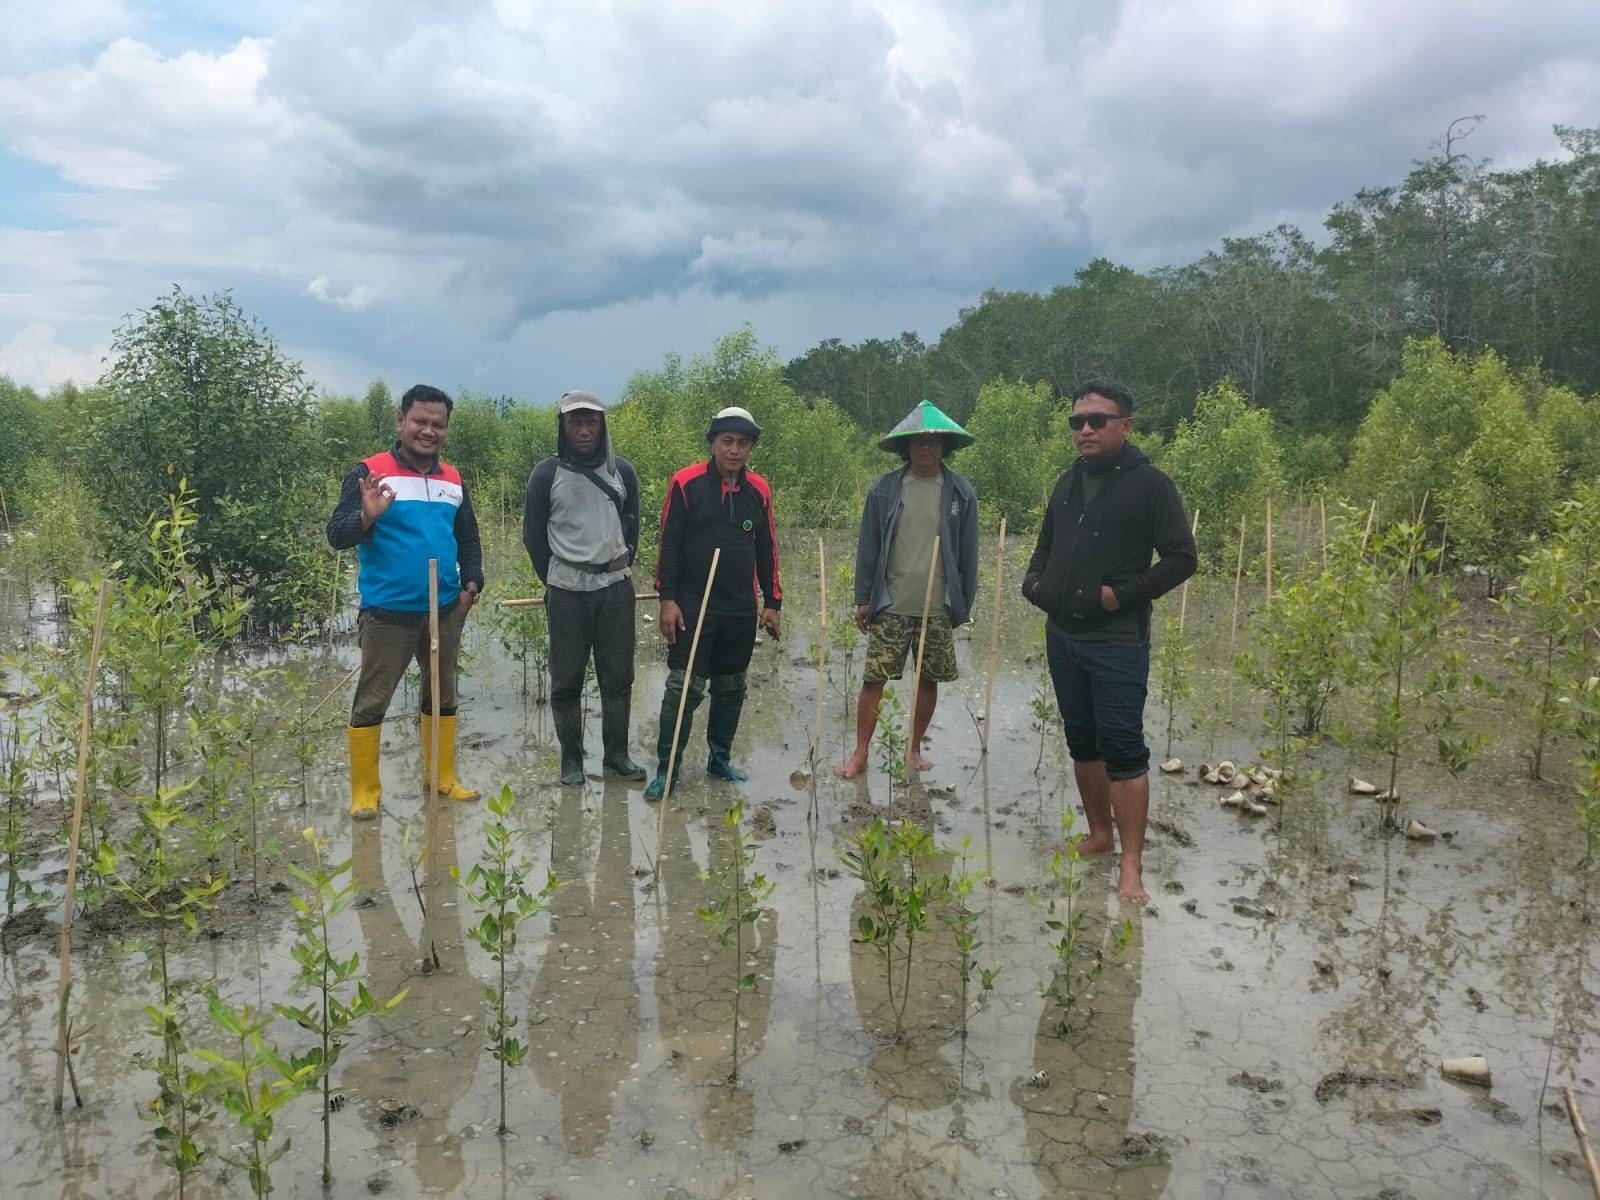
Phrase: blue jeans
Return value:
(1100, 690)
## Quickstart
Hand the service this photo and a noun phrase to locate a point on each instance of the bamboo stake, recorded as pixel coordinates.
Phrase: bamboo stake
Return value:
(683, 698)
(1322, 508)
(538, 601)
(63, 1025)
(922, 642)
(430, 956)
(351, 674)
(333, 601)
(1583, 1139)
(1233, 624)
(822, 647)
(1372, 516)
(1269, 555)
(994, 638)
(1183, 596)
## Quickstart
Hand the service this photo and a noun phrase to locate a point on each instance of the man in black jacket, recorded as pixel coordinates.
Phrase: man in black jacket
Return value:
(580, 524)
(1091, 573)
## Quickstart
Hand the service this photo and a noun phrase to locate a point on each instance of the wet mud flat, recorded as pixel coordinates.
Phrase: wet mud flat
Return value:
(1274, 1026)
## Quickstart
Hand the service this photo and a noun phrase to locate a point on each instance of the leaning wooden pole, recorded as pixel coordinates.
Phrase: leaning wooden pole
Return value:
(683, 698)
(63, 1025)
(1322, 510)
(430, 949)
(538, 601)
(1233, 622)
(1582, 1134)
(922, 642)
(994, 638)
(822, 648)
(1183, 595)
(1269, 555)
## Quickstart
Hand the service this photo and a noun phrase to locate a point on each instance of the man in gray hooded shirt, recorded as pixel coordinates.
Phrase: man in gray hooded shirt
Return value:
(580, 523)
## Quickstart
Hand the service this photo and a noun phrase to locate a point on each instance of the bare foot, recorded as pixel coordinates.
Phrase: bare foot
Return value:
(1130, 884)
(852, 766)
(1095, 845)
(916, 762)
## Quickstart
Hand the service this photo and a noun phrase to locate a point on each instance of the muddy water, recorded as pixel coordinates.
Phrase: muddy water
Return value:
(1227, 1051)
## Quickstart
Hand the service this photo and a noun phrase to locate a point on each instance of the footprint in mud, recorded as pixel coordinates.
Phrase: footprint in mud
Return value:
(1255, 1083)
(1172, 887)
(1192, 907)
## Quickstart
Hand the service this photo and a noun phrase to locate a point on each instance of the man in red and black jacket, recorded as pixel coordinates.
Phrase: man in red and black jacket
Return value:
(714, 505)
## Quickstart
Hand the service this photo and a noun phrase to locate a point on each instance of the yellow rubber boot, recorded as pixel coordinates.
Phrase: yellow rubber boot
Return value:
(365, 787)
(449, 786)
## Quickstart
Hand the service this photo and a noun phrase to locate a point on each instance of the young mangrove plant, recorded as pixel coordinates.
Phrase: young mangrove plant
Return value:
(1081, 956)
(901, 894)
(523, 632)
(339, 998)
(18, 779)
(1413, 661)
(498, 889)
(1549, 654)
(740, 897)
(303, 730)
(251, 1084)
(1174, 670)
(891, 737)
(958, 916)
(144, 875)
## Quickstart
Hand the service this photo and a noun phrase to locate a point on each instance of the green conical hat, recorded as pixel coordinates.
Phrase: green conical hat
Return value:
(926, 418)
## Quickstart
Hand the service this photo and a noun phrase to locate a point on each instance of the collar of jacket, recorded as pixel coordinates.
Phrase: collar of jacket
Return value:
(401, 457)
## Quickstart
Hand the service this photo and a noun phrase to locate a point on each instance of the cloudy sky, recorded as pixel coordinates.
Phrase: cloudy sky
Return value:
(524, 196)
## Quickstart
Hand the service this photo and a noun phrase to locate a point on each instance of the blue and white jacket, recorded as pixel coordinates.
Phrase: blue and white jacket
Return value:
(431, 517)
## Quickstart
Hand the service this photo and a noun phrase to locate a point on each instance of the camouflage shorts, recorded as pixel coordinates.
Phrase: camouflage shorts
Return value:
(891, 637)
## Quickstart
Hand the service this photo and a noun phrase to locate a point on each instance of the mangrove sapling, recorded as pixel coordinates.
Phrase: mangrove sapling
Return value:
(144, 875)
(303, 731)
(335, 1006)
(18, 786)
(957, 916)
(498, 889)
(1584, 701)
(1043, 705)
(216, 741)
(1173, 668)
(523, 631)
(1413, 661)
(1550, 655)
(892, 864)
(740, 897)
(1080, 958)
(413, 853)
(251, 1084)
(891, 736)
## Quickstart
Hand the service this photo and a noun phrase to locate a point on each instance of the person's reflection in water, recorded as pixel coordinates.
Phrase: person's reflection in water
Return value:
(695, 977)
(585, 1036)
(1077, 1115)
(425, 1059)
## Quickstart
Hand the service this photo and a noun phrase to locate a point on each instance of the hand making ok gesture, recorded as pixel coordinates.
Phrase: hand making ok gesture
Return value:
(376, 496)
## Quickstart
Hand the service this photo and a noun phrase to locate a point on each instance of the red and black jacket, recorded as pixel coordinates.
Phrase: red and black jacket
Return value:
(703, 512)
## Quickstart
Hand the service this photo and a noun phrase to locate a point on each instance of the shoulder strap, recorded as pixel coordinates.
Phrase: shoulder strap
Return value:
(617, 500)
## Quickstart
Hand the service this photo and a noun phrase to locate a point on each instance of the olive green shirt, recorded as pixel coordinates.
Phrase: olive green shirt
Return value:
(913, 546)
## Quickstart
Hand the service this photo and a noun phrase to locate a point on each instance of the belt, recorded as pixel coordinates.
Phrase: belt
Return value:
(618, 563)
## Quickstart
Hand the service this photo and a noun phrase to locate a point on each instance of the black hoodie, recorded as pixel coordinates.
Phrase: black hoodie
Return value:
(1135, 512)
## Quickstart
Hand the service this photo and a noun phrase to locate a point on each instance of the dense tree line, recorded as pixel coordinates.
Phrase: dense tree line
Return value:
(1481, 259)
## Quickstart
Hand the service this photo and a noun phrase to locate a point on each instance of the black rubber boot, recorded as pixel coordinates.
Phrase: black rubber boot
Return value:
(669, 716)
(569, 732)
(614, 737)
(722, 724)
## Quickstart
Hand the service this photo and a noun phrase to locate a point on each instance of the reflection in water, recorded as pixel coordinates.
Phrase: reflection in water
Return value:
(694, 980)
(410, 1078)
(1077, 1114)
(585, 1038)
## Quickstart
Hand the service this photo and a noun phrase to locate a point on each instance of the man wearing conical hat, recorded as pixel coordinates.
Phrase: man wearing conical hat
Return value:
(906, 510)
(718, 504)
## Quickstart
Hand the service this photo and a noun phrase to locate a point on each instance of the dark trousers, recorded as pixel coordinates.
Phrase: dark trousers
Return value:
(388, 649)
(727, 640)
(1100, 689)
(581, 623)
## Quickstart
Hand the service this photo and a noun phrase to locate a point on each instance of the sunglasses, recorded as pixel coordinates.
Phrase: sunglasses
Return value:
(1093, 420)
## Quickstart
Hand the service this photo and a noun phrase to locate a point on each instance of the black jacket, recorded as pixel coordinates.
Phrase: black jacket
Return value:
(1136, 511)
(701, 513)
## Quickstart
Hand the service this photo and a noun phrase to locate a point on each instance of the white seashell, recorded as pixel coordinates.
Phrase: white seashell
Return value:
(1172, 766)
(1233, 800)
(1472, 1069)
(1211, 776)
(1254, 809)
(1387, 797)
(1260, 778)
(1227, 772)
(1360, 787)
(1418, 832)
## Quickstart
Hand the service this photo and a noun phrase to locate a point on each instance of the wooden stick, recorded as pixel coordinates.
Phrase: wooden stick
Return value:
(431, 949)
(1372, 516)
(1183, 596)
(63, 1048)
(822, 647)
(1233, 624)
(683, 698)
(336, 691)
(1322, 508)
(1583, 1139)
(994, 638)
(537, 601)
(333, 602)
(1269, 554)
(922, 642)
